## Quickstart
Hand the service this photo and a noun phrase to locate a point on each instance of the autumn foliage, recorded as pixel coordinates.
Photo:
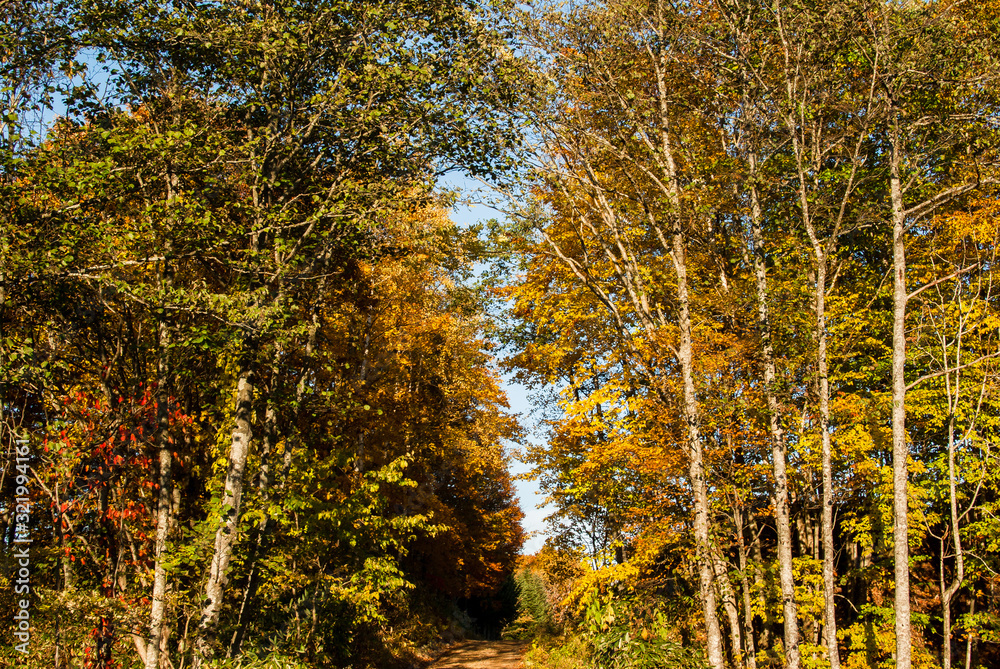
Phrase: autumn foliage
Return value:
(237, 332)
(790, 207)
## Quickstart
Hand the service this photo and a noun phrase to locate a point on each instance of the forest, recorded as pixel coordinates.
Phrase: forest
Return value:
(252, 373)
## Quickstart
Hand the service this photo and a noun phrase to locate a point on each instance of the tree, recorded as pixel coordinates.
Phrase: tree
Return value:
(924, 138)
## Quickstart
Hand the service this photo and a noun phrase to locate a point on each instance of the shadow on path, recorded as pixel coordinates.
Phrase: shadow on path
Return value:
(483, 655)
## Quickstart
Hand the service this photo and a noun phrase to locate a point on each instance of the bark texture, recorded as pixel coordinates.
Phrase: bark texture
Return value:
(225, 535)
(702, 528)
(900, 451)
(164, 482)
(779, 449)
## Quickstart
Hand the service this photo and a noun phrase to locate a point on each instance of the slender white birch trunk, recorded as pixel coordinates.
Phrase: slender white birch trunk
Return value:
(900, 450)
(724, 587)
(225, 535)
(165, 448)
(826, 522)
(948, 593)
(821, 256)
(779, 449)
(691, 411)
(696, 469)
(165, 481)
(969, 638)
(268, 444)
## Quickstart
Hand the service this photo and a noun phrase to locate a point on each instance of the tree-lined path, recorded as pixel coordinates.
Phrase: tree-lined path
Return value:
(251, 409)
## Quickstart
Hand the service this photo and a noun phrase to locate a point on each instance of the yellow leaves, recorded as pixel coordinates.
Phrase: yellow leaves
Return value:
(808, 573)
(976, 221)
(871, 639)
(597, 581)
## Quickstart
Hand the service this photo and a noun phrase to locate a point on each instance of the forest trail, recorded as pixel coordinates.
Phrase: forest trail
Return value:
(483, 655)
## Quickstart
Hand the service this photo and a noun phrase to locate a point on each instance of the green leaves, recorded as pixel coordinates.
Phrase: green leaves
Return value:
(633, 635)
(249, 189)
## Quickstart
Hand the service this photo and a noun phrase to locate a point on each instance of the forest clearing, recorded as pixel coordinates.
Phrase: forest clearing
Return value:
(255, 380)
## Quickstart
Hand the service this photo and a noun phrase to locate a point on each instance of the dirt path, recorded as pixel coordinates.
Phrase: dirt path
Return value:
(483, 655)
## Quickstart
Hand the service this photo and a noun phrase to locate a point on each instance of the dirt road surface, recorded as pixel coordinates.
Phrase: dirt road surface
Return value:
(483, 655)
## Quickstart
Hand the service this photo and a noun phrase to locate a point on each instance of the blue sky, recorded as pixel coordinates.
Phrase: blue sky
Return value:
(529, 496)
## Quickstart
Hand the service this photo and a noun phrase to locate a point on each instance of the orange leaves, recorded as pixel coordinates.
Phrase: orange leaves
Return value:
(404, 366)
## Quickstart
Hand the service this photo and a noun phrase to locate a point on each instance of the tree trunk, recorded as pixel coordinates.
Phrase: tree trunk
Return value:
(968, 640)
(163, 497)
(724, 587)
(826, 520)
(697, 457)
(948, 594)
(678, 256)
(225, 536)
(259, 546)
(779, 454)
(758, 577)
(900, 451)
(271, 437)
(748, 634)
